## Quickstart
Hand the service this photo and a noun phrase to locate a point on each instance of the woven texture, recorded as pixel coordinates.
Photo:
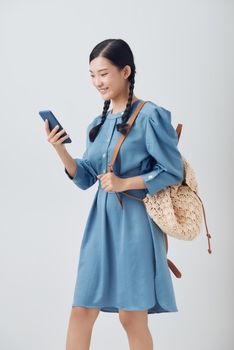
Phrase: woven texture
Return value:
(177, 210)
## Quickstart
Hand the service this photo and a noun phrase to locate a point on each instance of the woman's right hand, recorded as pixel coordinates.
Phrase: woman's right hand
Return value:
(54, 136)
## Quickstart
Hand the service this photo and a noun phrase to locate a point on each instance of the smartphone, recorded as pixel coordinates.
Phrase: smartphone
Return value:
(53, 121)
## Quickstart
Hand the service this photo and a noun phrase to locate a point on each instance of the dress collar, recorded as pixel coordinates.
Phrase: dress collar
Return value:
(119, 114)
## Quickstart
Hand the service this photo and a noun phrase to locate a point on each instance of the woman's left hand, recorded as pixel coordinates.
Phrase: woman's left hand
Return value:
(112, 183)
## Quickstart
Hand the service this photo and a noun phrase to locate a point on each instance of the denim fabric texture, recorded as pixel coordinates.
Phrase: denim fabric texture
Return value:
(122, 261)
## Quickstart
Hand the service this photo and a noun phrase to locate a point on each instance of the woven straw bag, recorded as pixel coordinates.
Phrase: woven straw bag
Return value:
(177, 209)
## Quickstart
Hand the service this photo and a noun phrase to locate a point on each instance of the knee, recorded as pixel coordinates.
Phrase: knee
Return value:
(126, 319)
(133, 320)
(84, 314)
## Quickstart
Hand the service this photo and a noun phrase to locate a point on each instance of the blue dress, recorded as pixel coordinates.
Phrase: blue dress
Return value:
(123, 262)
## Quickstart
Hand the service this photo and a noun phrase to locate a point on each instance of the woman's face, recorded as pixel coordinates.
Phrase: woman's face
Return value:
(108, 79)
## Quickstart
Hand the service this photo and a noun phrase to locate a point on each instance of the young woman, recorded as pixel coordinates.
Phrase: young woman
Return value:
(122, 266)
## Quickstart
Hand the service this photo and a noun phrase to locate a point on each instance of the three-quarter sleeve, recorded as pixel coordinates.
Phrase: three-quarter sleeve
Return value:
(85, 175)
(161, 142)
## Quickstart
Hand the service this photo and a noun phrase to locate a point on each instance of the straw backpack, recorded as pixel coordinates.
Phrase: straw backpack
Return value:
(176, 209)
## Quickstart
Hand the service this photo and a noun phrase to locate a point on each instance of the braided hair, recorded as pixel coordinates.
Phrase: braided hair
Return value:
(120, 54)
(123, 127)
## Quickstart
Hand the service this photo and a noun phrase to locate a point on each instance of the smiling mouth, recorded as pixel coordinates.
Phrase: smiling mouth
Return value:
(103, 90)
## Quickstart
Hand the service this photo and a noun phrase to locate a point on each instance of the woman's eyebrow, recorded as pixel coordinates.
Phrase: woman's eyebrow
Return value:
(99, 69)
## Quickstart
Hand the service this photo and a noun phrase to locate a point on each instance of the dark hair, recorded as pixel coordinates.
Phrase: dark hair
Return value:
(120, 54)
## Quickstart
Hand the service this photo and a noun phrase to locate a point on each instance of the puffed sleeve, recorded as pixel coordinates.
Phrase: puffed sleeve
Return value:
(85, 175)
(161, 142)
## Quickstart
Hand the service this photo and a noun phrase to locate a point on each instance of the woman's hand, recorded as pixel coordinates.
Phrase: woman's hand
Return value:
(54, 136)
(110, 182)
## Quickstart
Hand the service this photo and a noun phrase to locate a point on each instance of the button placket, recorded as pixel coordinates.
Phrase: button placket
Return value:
(106, 145)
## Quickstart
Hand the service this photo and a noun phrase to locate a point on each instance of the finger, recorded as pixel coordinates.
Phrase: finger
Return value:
(47, 127)
(50, 137)
(107, 188)
(53, 131)
(58, 134)
(53, 135)
(105, 183)
(63, 138)
(58, 142)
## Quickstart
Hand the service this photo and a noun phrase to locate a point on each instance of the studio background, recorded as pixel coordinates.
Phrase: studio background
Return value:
(184, 62)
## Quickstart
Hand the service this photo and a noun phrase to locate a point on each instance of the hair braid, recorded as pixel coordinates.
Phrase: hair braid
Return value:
(94, 131)
(124, 126)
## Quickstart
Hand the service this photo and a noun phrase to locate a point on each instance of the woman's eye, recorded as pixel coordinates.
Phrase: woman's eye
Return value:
(92, 76)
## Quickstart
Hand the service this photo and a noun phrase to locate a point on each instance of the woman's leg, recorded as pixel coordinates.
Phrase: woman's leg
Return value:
(135, 324)
(80, 327)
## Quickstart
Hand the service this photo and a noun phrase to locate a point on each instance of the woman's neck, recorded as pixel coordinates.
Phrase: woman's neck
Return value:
(120, 106)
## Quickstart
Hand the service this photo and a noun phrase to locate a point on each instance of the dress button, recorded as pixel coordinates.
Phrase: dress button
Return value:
(150, 176)
(104, 154)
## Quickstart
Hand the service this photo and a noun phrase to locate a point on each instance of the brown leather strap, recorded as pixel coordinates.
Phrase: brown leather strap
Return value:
(178, 130)
(174, 269)
(119, 143)
(122, 137)
(172, 266)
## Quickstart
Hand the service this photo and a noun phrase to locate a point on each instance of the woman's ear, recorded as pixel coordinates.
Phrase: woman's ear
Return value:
(127, 71)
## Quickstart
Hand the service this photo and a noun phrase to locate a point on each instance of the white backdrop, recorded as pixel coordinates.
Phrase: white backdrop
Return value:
(184, 60)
